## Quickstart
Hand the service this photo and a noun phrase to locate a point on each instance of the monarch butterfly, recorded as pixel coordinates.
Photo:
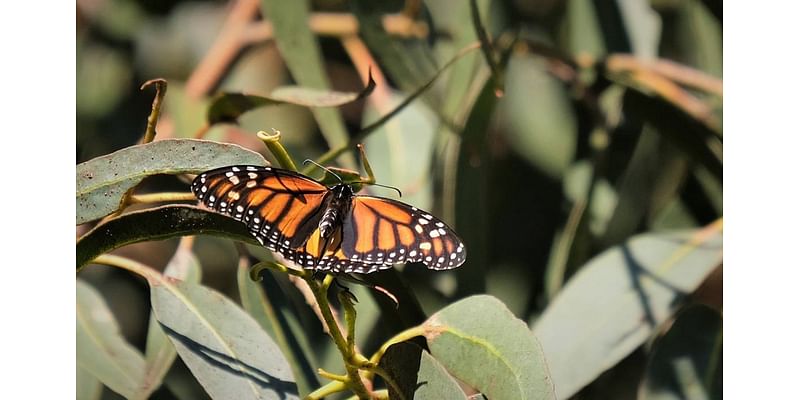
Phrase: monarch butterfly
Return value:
(327, 228)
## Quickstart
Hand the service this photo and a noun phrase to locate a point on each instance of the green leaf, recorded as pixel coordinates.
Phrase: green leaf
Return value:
(481, 343)
(160, 353)
(301, 52)
(406, 143)
(407, 61)
(101, 349)
(434, 382)
(687, 362)
(102, 182)
(542, 125)
(613, 304)
(226, 350)
(278, 321)
(227, 106)
(692, 136)
(471, 193)
(87, 387)
(581, 31)
(653, 162)
(156, 224)
(643, 26)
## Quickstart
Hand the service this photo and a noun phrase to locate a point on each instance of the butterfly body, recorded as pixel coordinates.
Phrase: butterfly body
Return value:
(327, 228)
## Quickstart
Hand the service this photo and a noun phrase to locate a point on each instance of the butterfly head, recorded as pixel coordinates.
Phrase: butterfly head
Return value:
(342, 192)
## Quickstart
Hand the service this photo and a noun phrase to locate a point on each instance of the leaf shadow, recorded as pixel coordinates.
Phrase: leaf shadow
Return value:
(637, 272)
(283, 388)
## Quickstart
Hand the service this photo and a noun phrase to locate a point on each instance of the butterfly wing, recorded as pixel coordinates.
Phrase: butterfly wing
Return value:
(380, 232)
(281, 208)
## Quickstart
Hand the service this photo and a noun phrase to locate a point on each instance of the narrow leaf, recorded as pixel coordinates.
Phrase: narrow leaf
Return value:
(687, 362)
(692, 136)
(406, 60)
(226, 350)
(228, 107)
(157, 224)
(471, 193)
(481, 343)
(87, 387)
(159, 351)
(102, 182)
(614, 302)
(301, 52)
(275, 321)
(101, 349)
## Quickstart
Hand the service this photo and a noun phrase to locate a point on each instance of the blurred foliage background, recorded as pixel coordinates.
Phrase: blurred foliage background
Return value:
(603, 122)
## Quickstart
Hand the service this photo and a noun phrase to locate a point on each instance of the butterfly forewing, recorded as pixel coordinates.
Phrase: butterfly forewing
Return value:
(277, 205)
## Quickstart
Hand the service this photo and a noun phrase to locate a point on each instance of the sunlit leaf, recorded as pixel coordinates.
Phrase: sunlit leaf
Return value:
(407, 140)
(299, 48)
(102, 182)
(434, 382)
(481, 343)
(612, 305)
(226, 350)
(160, 353)
(101, 349)
(227, 107)
(275, 320)
(87, 387)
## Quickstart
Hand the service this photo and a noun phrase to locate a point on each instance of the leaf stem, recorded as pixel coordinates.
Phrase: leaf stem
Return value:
(365, 131)
(152, 120)
(272, 141)
(330, 388)
(320, 291)
(160, 197)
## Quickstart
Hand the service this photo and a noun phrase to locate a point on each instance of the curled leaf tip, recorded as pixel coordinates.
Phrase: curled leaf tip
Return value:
(271, 137)
(255, 272)
(159, 82)
(389, 295)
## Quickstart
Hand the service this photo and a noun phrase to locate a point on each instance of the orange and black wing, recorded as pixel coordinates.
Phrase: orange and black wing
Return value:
(281, 208)
(381, 232)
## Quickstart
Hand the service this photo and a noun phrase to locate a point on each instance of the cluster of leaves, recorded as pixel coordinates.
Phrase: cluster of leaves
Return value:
(589, 196)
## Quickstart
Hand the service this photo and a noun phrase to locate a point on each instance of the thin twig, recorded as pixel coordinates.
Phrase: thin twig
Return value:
(224, 50)
(239, 32)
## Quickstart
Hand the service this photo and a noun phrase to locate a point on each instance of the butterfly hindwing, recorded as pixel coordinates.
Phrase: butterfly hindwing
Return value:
(382, 232)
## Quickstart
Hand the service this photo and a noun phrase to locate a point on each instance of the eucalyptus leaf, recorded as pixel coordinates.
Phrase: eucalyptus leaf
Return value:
(101, 349)
(226, 350)
(228, 107)
(542, 125)
(267, 310)
(687, 362)
(434, 382)
(407, 140)
(613, 304)
(102, 182)
(480, 342)
(301, 52)
(156, 224)
(159, 352)
(87, 387)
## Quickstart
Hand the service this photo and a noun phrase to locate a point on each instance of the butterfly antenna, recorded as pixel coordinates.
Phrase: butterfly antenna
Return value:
(308, 160)
(385, 186)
